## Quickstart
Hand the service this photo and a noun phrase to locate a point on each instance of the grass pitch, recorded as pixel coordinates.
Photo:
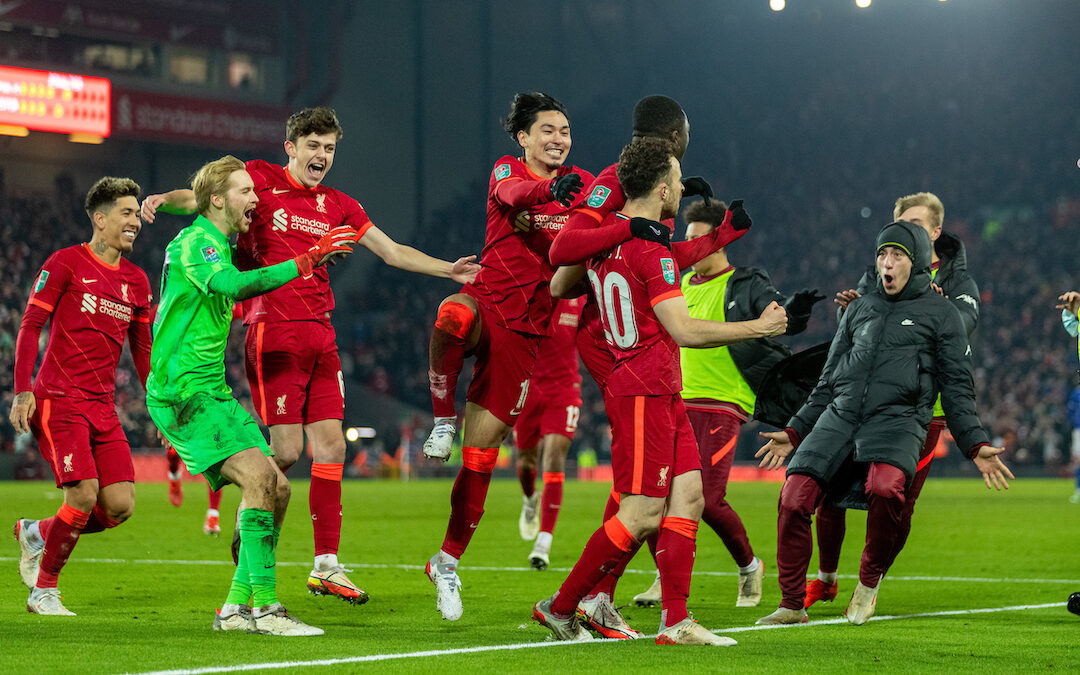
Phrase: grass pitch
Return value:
(145, 592)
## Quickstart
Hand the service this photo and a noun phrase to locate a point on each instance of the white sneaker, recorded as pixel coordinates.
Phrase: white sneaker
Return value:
(529, 520)
(443, 574)
(29, 553)
(440, 441)
(600, 615)
(690, 632)
(539, 558)
(783, 616)
(564, 629)
(750, 586)
(234, 617)
(46, 601)
(862, 605)
(274, 620)
(651, 597)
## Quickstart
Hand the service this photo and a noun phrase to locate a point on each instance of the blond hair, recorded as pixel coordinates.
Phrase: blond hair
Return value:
(213, 179)
(927, 199)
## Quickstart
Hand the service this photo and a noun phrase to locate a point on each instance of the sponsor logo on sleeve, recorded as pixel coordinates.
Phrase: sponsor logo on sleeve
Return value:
(667, 266)
(968, 299)
(598, 196)
(42, 279)
(210, 254)
(502, 171)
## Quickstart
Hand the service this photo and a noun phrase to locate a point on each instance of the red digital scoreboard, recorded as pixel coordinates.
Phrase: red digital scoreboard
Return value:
(59, 102)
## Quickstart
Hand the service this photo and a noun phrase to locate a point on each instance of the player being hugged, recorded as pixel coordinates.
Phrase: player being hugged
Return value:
(499, 318)
(654, 456)
(95, 298)
(191, 403)
(291, 354)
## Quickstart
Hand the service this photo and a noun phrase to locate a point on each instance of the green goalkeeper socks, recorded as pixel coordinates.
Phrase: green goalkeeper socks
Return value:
(258, 541)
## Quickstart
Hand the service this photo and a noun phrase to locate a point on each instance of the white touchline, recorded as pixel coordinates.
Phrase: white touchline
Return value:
(482, 568)
(273, 665)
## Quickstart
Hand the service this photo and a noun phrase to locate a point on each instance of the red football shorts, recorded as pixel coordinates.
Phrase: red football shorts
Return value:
(652, 441)
(545, 415)
(504, 361)
(294, 372)
(82, 439)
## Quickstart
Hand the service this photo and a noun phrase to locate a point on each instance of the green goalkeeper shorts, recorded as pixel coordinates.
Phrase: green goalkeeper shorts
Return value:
(206, 431)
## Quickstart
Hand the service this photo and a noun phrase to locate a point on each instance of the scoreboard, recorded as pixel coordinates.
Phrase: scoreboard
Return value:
(51, 101)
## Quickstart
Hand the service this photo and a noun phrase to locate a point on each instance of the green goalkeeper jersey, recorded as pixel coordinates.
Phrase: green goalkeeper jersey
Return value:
(711, 373)
(192, 324)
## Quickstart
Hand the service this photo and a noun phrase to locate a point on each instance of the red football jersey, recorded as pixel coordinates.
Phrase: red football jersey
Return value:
(628, 282)
(556, 375)
(516, 273)
(93, 305)
(593, 346)
(288, 220)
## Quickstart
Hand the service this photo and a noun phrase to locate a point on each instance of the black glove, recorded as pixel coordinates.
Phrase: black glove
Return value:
(650, 230)
(564, 188)
(740, 220)
(696, 186)
(802, 302)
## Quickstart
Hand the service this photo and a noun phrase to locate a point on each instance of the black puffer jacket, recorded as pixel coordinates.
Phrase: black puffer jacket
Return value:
(952, 277)
(889, 359)
(748, 293)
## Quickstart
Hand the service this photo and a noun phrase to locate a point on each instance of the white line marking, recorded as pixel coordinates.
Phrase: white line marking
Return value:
(481, 568)
(552, 643)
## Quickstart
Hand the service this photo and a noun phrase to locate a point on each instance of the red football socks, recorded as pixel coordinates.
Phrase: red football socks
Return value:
(675, 549)
(467, 498)
(63, 534)
(324, 501)
(551, 500)
(604, 551)
(446, 355)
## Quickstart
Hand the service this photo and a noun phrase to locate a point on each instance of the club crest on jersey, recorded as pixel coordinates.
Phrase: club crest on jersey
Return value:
(598, 197)
(502, 171)
(667, 266)
(210, 254)
(320, 202)
(123, 292)
(42, 278)
(662, 480)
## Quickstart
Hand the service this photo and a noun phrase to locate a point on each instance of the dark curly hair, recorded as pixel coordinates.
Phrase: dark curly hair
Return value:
(104, 193)
(642, 165)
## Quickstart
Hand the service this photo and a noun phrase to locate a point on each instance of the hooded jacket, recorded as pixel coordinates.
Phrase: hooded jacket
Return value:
(888, 361)
(952, 277)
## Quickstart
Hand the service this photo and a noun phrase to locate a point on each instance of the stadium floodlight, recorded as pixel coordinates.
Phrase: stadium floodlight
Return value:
(777, 5)
(352, 434)
(862, 4)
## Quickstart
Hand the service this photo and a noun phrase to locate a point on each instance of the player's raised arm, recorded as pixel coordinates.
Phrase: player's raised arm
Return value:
(463, 270)
(180, 202)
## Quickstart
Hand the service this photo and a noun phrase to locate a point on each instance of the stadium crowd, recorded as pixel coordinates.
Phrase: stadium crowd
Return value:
(1015, 214)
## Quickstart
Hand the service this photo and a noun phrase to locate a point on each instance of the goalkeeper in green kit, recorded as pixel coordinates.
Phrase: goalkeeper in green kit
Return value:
(187, 395)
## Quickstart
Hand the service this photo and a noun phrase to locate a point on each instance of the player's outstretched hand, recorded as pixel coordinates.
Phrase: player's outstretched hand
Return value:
(992, 468)
(564, 188)
(844, 298)
(1069, 301)
(149, 207)
(803, 301)
(773, 320)
(22, 409)
(696, 186)
(774, 453)
(338, 241)
(465, 270)
(650, 230)
(740, 219)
